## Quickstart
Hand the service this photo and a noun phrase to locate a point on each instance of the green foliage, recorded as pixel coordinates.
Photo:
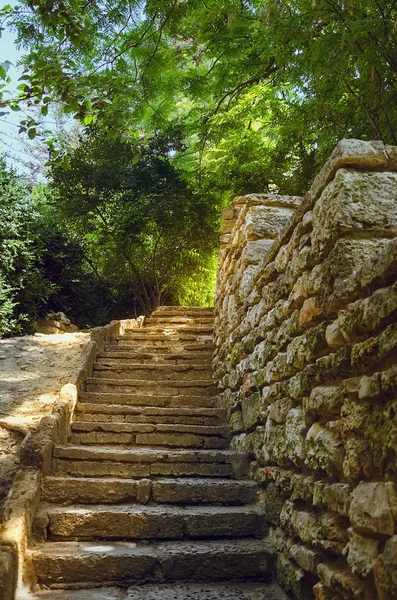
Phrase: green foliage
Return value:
(140, 224)
(305, 72)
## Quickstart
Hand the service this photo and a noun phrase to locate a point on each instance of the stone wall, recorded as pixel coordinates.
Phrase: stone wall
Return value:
(306, 345)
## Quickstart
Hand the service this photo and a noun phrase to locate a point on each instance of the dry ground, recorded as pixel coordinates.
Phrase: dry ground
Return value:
(33, 370)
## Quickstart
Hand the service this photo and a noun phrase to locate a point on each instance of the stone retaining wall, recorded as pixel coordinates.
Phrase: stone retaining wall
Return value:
(306, 345)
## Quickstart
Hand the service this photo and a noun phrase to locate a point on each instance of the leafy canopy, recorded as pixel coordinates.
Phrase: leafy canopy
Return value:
(322, 69)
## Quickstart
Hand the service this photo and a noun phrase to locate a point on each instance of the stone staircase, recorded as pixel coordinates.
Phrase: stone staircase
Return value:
(146, 491)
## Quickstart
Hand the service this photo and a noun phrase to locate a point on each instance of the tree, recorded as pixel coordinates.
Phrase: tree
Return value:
(330, 65)
(22, 286)
(140, 224)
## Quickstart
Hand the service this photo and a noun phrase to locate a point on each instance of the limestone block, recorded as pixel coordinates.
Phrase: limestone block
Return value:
(271, 500)
(370, 510)
(347, 256)
(268, 200)
(301, 487)
(324, 449)
(293, 579)
(247, 281)
(242, 443)
(350, 153)
(324, 400)
(274, 446)
(354, 202)
(336, 577)
(301, 523)
(236, 422)
(310, 313)
(334, 336)
(227, 226)
(296, 352)
(266, 221)
(278, 410)
(358, 460)
(255, 251)
(295, 431)
(306, 557)
(335, 496)
(361, 553)
(278, 539)
(386, 572)
(278, 369)
(228, 213)
(366, 315)
(253, 410)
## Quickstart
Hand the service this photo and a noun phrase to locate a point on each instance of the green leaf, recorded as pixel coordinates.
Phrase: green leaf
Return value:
(32, 132)
(88, 119)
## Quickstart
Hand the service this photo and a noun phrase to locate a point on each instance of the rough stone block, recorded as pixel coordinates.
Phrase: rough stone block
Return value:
(354, 202)
(324, 449)
(253, 409)
(386, 572)
(361, 553)
(293, 579)
(335, 496)
(266, 221)
(255, 250)
(370, 511)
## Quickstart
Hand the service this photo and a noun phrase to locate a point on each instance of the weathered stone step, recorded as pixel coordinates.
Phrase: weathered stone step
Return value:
(148, 400)
(164, 329)
(152, 372)
(137, 521)
(141, 335)
(212, 560)
(111, 490)
(171, 319)
(149, 434)
(113, 461)
(165, 388)
(177, 323)
(86, 411)
(185, 310)
(172, 591)
(172, 358)
(203, 348)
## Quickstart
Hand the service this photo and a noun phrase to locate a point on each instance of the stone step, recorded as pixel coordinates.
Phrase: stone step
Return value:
(171, 358)
(149, 434)
(86, 411)
(152, 372)
(203, 348)
(111, 490)
(172, 591)
(184, 310)
(154, 522)
(165, 388)
(148, 400)
(113, 461)
(161, 319)
(59, 563)
(141, 335)
(174, 319)
(173, 329)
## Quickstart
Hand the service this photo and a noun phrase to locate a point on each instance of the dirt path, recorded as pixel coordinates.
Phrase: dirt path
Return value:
(33, 370)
